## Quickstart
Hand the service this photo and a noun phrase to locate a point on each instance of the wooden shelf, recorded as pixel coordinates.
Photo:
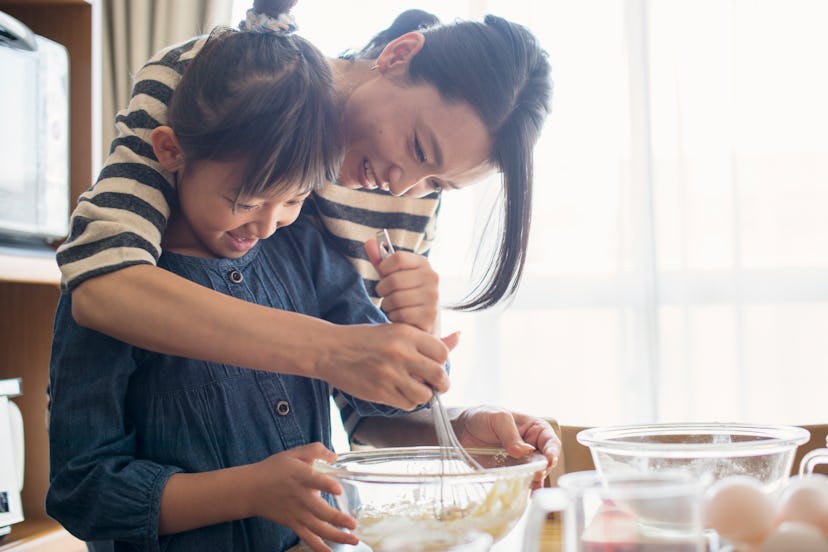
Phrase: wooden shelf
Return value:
(23, 266)
(29, 280)
(44, 535)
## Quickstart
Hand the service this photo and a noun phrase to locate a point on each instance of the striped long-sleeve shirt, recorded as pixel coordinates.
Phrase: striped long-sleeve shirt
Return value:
(119, 221)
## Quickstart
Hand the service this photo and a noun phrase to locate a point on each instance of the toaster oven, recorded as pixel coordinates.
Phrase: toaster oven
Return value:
(34, 135)
(11, 456)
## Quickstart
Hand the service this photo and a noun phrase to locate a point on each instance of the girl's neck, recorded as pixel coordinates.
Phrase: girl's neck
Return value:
(179, 238)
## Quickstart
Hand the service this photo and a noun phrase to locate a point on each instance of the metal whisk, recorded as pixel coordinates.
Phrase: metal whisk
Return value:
(454, 459)
(450, 447)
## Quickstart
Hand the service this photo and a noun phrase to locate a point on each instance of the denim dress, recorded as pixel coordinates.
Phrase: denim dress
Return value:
(123, 419)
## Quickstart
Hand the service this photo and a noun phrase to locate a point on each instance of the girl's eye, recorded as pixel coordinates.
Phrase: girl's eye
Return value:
(295, 202)
(243, 207)
(436, 186)
(418, 150)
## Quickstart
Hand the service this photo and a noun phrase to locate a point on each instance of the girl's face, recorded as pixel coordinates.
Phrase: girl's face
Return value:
(210, 223)
(405, 138)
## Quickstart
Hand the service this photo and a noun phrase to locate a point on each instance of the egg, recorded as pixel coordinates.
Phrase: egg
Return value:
(805, 499)
(738, 508)
(611, 525)
(795, 536)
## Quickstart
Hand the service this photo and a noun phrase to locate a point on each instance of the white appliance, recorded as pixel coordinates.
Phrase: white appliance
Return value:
(34, 135)
(11, 456)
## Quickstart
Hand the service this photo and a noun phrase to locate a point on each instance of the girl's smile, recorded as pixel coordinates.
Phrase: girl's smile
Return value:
(212, 222)
(241, 244)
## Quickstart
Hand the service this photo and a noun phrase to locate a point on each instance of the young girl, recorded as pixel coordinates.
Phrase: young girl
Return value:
(159, 452)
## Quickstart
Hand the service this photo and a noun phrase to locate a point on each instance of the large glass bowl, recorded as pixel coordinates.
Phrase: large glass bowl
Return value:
(411, 496)
(710, 450)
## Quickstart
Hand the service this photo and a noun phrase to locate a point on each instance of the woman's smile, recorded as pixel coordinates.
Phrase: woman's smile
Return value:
(367, 177)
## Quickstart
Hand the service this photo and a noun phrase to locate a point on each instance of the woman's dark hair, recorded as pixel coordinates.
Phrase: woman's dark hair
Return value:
(406, 22)
(499, 69)
(265, 98)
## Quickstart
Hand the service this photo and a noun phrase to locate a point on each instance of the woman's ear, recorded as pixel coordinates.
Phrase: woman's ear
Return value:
(398, 53)
(167, 149)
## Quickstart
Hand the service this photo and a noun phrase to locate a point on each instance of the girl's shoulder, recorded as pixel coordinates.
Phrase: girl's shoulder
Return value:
(305, 234)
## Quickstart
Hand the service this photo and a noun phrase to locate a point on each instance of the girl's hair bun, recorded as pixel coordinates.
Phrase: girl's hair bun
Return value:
(273, 8)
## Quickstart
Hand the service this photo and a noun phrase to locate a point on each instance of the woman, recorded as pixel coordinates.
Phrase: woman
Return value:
(433, 111)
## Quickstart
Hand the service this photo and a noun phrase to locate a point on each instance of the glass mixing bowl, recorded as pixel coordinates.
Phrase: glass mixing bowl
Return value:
(410, 495)
(710, 450)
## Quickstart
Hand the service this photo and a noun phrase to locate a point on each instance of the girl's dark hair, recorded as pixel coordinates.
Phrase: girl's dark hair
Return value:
(265, 98)
(499, 69)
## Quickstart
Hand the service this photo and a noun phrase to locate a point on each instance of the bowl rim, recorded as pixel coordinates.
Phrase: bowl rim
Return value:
(774, 437)
(624, 485)
(534, 462)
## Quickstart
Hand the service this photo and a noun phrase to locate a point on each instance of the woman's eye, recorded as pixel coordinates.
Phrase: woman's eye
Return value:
(295, 202)
(243, 207)
(436, 186)
(418, 150)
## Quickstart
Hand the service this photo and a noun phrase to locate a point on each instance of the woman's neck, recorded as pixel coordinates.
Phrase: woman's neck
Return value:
(350, 74)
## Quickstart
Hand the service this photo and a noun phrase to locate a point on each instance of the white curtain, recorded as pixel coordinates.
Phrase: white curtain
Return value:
(679, 260)
(132, 31)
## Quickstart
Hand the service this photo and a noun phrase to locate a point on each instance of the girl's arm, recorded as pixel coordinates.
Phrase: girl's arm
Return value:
(98, 488)
(282, 488)
(393, 364)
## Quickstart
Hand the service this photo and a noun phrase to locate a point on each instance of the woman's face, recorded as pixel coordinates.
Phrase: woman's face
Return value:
(406, 139)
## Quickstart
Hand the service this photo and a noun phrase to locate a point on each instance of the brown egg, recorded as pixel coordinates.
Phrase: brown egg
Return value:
(805, 499)
(739, 509)
(795, 536)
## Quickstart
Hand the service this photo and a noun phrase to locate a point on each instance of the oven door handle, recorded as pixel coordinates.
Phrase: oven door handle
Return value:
(18, 443)
(17, 34)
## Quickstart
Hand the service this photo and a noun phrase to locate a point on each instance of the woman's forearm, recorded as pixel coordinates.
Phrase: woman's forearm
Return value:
(146, 306)
(412, 429)
(156, 310)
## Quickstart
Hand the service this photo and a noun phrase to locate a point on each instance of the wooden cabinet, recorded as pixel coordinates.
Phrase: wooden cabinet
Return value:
(29, 283)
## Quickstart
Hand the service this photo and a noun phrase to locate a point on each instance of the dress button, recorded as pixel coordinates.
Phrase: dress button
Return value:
(235, 276)
(282, 408)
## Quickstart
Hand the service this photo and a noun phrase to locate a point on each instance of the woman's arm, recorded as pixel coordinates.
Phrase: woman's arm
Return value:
(478, 426)
(393, 364)
(119, 221)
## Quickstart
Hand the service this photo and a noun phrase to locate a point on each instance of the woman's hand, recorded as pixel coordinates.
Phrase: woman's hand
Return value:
(408, 287)
(288, 492)
(519, 434)
(480, 426)
(393, 364)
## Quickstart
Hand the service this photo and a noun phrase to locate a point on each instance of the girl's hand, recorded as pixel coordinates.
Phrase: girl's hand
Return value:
(519, 434)
(288, 493)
